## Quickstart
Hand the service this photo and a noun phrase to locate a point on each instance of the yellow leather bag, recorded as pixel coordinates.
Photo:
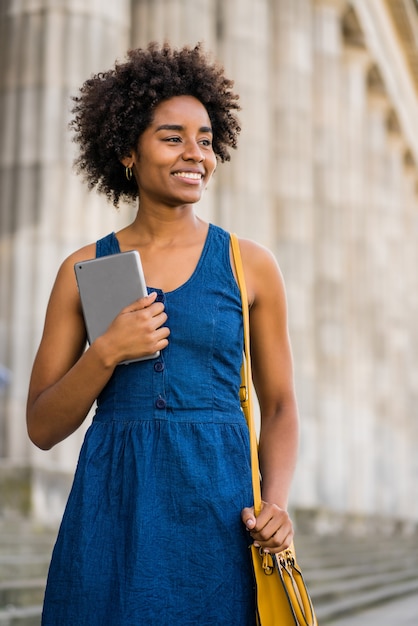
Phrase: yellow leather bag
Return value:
(282, 598)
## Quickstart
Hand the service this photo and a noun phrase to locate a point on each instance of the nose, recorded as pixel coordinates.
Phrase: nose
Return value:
(193, 152)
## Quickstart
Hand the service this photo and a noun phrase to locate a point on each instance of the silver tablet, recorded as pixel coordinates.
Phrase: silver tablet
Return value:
(106, 286)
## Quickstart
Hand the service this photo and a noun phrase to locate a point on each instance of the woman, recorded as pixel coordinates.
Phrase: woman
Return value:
(159, 519)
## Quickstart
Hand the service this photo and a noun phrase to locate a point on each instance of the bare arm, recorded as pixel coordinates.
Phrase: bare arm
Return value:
(66, 379)
(273, 381)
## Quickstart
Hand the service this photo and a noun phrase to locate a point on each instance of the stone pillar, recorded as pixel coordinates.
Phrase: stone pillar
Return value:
(291, 175)
(330, 261)
(358, 372)
(180, 22)
(409, 504)
(46, 53)
(377, 147)
(244, 196)
(397, 448)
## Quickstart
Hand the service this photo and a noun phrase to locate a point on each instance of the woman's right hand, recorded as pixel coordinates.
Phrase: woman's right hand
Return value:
(137, 331)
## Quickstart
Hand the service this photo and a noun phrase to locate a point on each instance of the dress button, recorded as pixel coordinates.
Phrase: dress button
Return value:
(159, 366)
(161, 403)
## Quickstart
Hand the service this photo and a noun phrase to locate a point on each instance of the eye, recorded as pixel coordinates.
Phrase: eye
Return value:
(206, 142)
(172, 139)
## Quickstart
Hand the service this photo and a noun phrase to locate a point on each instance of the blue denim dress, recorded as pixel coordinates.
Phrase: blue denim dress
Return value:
(152, 532)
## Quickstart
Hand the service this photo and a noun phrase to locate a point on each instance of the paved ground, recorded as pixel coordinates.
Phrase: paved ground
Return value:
(402, 612)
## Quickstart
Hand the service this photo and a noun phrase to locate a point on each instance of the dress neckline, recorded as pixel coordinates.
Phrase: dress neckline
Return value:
(116, 249)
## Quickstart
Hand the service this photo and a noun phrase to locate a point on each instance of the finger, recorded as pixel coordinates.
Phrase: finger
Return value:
(162, 333)
(265, 517)
(279, 540)
(156, 309)
(156, 322)
(278, 543)
(270, 521)
(266, 532)
(161, 344)
(141, 303)
(248, 517)
(283, 540)
(155, 340)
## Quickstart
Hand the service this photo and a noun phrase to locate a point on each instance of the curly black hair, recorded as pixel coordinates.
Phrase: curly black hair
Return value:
(114, 108)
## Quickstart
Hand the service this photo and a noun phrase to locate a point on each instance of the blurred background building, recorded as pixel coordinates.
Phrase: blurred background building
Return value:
(326, 175)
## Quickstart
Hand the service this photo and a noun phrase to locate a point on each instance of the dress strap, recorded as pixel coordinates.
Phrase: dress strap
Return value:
(107, 245)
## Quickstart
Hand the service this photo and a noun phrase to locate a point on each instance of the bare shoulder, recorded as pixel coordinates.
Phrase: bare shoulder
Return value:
(64, 326)
(261, 270)
(64, 299)
(82, 254)
(66, 272)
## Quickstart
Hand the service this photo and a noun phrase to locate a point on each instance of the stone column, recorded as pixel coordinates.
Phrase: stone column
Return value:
(358, 371)
(395, 444)
(46, 53)
(180, 22)
(329, 255)
(244, 184)
(409, 504)
(291, 175)
(377, 167)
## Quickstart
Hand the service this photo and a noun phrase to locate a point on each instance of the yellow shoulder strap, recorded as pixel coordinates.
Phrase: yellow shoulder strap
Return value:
(246, 378)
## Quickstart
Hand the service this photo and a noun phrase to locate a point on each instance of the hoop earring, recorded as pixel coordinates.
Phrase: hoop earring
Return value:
(128, 173)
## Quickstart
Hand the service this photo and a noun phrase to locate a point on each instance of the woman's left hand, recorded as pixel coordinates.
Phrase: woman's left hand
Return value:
(272, 530)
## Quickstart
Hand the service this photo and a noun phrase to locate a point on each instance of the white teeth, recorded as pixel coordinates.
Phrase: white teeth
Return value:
(194, 175)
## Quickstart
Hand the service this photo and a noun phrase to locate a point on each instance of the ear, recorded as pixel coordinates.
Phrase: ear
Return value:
(128, 160)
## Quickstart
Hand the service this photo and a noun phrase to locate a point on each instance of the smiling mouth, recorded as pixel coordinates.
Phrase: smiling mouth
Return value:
(191, 175)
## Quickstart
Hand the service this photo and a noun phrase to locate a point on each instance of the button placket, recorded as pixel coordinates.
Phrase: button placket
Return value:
(159, 367)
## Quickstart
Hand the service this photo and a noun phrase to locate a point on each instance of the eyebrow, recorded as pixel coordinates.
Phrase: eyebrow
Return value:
(178, 127)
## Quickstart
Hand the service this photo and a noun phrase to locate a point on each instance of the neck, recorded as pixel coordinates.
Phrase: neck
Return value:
(164, 226)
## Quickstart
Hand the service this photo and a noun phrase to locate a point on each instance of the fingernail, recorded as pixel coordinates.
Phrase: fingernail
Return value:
(250, 523)
(256, 544)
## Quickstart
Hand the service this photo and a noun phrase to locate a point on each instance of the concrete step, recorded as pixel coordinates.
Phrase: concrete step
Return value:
(20, 593)
(17, 566)
(26, 543)
(348, 605)
(325, 574)
(25, 553)
(341, 586)
(401, 611)
(26, 616)
(346, 576)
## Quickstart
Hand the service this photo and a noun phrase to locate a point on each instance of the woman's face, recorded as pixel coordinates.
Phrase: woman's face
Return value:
(175, 159)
